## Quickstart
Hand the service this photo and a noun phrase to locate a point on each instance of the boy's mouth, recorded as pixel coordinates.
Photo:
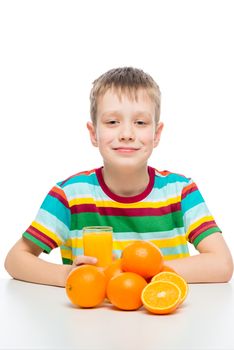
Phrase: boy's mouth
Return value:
(125, 149)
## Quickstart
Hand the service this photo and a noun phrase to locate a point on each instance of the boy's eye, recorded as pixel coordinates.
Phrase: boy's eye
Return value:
(112, 122)
(140, 122)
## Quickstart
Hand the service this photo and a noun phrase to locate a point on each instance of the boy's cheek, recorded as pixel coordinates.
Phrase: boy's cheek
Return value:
(104, 138)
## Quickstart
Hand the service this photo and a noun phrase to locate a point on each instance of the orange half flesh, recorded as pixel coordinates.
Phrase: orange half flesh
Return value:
(161, 297)
(175, 278)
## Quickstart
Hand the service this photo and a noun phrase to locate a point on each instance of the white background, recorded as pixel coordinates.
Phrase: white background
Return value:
(51, 51)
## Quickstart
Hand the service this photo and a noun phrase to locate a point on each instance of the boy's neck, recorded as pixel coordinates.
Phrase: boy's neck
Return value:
(127, 182)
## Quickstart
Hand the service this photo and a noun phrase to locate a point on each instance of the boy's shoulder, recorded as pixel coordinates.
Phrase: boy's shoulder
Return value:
(88, 176)
(166, 176)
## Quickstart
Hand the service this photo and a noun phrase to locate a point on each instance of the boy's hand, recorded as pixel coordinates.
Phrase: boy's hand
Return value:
(83, 259)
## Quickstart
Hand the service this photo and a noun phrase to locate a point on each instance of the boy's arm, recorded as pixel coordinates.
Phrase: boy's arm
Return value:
(23, 263)
(213, 264)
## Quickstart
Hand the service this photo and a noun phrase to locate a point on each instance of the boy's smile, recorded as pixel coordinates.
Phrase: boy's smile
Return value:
(125, 131)
(126, 150)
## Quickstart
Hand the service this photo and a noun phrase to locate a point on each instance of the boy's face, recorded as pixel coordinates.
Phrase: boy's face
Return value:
(125, 132)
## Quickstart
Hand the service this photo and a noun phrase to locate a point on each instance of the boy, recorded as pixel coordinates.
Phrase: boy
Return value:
(138, 201)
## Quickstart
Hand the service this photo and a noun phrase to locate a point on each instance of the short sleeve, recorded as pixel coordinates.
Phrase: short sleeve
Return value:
(198, 221)
(51, 226)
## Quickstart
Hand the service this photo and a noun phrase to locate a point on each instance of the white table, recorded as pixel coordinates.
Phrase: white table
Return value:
(41, 317)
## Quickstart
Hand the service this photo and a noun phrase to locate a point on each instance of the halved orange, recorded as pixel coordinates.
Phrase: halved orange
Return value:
(175, 278)
(161, 297)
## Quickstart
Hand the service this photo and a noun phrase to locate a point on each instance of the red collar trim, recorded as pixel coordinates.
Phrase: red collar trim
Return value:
(131, 199)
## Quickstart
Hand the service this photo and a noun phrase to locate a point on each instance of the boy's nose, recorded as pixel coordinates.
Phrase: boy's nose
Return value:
(127, 133)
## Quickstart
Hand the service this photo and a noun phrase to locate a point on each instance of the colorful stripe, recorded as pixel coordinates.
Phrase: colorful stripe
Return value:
(112, 204)
(60, 195)
(92, 208)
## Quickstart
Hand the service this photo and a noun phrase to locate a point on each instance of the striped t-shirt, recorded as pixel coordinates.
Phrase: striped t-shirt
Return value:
(170, 212)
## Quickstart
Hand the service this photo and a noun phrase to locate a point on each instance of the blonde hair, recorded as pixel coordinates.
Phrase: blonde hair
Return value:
(126, 80)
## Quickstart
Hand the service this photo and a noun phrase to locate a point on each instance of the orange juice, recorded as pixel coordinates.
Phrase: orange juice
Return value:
(97, 241)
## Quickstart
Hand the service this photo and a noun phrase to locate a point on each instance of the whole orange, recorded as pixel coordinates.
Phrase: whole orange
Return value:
(142, 257)
(86, 286)
(124, 290)
(113, 269)
(167, 268)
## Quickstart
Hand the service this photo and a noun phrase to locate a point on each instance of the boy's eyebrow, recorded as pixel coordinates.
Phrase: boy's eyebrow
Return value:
(138, 113)
(106, 114)
(142, 113)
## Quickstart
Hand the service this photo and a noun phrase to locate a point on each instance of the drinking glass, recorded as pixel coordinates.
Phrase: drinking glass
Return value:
(98, 242)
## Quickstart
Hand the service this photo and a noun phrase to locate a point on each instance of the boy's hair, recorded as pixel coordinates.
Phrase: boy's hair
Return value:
(127, 80)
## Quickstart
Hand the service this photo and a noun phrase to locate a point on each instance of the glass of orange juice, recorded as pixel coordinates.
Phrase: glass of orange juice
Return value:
(98, 242)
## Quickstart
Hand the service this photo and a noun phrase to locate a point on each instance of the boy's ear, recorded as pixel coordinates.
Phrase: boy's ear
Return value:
(158, 133)
(92, 133)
